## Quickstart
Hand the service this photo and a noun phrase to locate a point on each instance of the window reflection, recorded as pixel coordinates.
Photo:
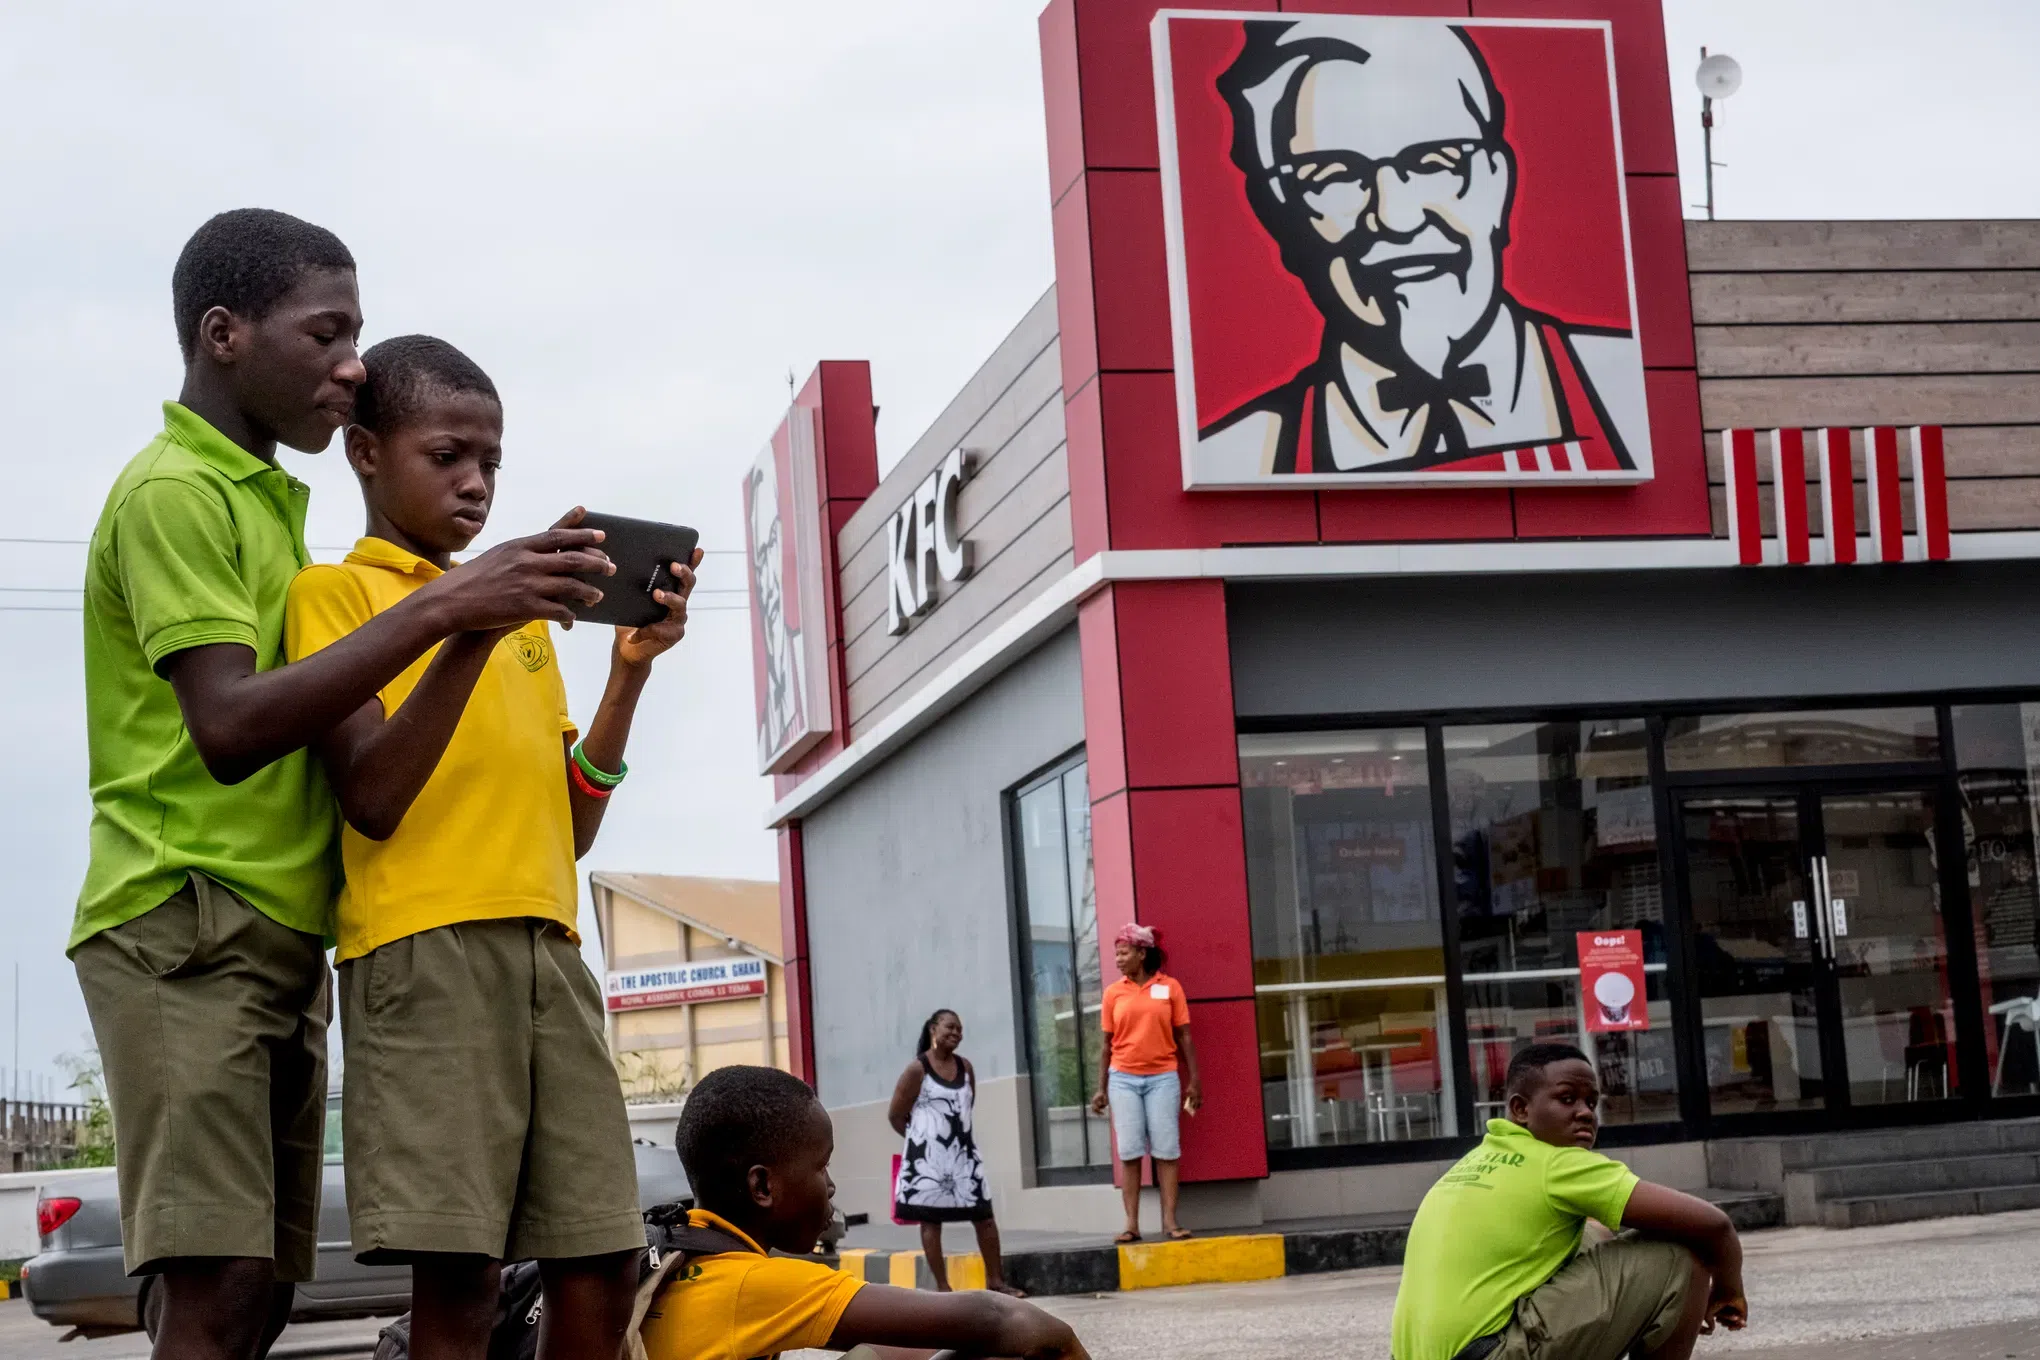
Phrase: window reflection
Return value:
(1997, 754)
(1554, 832)
(1755, 741)
(1349, 960)
(1059, 914)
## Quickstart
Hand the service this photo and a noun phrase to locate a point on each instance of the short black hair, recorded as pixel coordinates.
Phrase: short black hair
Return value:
(404, 370)
(1526, 1068)
(736, 1118)
(246, 260)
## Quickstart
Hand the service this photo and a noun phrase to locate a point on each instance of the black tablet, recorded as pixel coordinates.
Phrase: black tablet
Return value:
(644, 552)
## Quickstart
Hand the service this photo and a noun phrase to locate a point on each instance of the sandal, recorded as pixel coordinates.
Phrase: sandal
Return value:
(1126, 1239)
(1181, 1235)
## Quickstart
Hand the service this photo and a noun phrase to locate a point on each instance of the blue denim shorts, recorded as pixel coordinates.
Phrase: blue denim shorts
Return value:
(1145, 1115)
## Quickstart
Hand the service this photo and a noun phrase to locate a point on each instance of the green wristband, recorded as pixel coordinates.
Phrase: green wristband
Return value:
(597, 777)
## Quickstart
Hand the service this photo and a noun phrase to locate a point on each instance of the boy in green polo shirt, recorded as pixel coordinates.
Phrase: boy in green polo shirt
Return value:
(199, 937)
(1495, 1265)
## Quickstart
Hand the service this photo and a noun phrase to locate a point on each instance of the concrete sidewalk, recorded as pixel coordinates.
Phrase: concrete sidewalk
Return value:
(1046, 1263)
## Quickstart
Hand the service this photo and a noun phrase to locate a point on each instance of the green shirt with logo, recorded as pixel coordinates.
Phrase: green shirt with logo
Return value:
(1496, 1226)
(197, 544)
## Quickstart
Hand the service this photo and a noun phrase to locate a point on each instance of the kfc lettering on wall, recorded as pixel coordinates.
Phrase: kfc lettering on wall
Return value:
(1398, 251)
(921, 543)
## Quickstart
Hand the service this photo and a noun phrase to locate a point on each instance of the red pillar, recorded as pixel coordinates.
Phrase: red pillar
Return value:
(1166, 836)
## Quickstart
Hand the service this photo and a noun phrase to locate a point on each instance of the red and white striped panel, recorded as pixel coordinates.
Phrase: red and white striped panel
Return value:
(1788, 490)
(1930, 493)
(1739, 469)
(1566, 457)
(1887, 508)
(1837, 494)
(1834, 464)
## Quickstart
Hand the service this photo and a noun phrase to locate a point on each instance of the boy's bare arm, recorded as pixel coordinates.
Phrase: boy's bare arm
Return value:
(378, 765)
(1704, 1230)
(971, 1324)
(242, 719)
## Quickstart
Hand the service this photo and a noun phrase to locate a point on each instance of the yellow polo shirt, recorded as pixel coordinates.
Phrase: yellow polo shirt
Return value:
(737, 1305)
(491, 834)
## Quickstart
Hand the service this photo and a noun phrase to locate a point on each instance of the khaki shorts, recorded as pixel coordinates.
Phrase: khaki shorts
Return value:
(481, 1113)
(1625, 1293)
(211, 1024)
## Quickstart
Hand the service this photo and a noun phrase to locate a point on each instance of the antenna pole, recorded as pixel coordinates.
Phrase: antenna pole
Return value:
(1707, 142)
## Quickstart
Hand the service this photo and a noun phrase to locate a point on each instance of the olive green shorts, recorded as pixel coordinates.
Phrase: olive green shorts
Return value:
(211, 1025)
(481, 1113)
(1626, 1293)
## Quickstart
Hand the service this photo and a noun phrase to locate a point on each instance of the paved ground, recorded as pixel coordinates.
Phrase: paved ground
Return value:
(1952, 1289)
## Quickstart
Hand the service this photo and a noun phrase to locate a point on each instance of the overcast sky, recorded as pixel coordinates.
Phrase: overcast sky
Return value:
(639, 218)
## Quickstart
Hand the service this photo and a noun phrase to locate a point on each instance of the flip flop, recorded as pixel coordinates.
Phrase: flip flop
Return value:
(1181, 1235)
(1125, 1238)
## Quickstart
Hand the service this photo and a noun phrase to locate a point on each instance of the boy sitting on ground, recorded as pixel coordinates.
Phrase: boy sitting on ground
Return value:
(1495, 1265)
(756, 1144)
(483, 1117)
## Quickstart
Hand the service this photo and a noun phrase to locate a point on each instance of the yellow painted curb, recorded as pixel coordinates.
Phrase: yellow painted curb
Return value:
(966, 1270)
(900, 1269)
(851, 1260)
(1201, 1260)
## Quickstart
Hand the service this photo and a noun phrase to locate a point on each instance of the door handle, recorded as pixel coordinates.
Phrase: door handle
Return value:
(1822, 930)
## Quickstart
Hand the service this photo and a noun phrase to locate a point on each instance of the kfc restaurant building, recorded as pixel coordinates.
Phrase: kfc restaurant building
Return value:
(1372, 564)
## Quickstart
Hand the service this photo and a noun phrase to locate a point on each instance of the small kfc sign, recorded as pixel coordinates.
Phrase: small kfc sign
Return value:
(1611, 981)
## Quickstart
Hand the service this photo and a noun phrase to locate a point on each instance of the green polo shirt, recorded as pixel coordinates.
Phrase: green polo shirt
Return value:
(197, 544)
(1497, 1225)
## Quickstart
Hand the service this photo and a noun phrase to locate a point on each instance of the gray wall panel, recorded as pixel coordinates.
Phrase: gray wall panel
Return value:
(1430, 644)
(906, 882)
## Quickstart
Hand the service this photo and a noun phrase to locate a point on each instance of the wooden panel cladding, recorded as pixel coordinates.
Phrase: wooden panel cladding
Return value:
(1752, 247)
(1879, 323)
(1014, 511)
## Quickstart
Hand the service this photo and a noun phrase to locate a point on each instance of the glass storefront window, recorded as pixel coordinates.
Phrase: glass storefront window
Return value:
(1349, 958)
(1997, 757)
(1764, 741)
(1554, 832)
(1059, 923)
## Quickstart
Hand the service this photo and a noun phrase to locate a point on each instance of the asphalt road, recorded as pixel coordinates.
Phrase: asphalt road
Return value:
(1952, 1289)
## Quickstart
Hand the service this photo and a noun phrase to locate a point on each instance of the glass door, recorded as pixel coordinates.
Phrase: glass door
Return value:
(1756, 961)
(1820, 953)
(1877, 891)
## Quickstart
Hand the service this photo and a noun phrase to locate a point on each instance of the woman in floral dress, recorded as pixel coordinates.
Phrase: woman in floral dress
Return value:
(942, 1178)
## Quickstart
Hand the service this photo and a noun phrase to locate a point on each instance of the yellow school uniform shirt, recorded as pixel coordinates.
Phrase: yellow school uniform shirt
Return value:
(491, 834)
(738, 1306)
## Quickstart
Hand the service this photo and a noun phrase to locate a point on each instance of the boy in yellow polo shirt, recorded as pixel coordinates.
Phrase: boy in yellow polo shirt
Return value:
(756, 1144)
(483, 1120)
(1498, 1266)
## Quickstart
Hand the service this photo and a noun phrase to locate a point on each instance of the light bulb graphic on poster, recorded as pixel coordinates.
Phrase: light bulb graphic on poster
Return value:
(1611, 981)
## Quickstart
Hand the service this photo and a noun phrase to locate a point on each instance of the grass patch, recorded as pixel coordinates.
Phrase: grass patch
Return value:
(10, 1271)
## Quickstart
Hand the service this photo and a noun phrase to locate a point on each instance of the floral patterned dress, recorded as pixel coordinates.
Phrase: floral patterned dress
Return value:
(942, 1178)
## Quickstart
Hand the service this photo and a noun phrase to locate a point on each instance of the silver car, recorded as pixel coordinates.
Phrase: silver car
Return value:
(79, 1280)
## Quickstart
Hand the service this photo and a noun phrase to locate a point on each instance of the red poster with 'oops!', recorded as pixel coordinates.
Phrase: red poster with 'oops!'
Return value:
(1611, 981)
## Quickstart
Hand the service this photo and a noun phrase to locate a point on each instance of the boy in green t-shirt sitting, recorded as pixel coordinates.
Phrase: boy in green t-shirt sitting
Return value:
(1496, 1267)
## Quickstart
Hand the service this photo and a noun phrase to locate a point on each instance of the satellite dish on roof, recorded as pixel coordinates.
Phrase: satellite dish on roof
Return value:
(1719, 76)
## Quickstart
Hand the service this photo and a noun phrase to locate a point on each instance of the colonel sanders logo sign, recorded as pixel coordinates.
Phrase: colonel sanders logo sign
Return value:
(1398, 252)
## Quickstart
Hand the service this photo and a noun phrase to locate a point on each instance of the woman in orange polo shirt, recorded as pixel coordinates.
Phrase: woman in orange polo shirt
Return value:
(1147, 1071)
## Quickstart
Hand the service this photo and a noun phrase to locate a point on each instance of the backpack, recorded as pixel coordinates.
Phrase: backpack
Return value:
(670, 1241)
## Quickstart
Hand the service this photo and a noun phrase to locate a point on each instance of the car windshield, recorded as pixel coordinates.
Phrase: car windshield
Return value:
(332, 1132)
